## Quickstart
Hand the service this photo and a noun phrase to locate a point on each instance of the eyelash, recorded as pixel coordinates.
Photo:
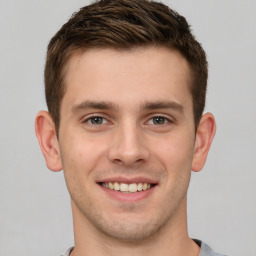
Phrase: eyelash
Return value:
(90, 121)
(165, 119)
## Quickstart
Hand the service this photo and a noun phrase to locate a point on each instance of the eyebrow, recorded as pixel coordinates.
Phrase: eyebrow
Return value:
(163, 105)
(93, 105)
(148, 105)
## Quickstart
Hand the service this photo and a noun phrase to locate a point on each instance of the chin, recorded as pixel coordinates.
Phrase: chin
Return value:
(129, 227)
(130, 231)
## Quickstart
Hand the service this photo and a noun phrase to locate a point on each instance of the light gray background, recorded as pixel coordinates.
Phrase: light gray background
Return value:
(35, 215)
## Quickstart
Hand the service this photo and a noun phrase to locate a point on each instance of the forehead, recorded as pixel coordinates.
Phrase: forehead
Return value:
(140, 74)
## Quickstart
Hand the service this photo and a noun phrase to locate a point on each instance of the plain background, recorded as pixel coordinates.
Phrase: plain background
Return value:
(35, 214)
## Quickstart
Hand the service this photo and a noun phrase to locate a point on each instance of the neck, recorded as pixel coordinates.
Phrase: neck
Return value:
(170, 240)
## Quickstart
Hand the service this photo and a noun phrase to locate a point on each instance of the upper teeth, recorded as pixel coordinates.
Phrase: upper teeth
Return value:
(123, 187)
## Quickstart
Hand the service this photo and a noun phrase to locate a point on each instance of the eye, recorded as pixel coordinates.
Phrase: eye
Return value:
(96, 120)
(158, 120)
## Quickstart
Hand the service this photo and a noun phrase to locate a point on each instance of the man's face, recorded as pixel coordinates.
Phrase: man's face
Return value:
(127, 121)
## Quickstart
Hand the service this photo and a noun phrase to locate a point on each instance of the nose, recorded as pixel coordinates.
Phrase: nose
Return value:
(128, 147)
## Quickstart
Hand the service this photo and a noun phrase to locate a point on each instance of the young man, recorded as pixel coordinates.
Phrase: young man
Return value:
(125, 85)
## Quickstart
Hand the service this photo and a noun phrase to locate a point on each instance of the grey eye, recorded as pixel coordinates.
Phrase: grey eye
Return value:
(159, 120)
(96, 120)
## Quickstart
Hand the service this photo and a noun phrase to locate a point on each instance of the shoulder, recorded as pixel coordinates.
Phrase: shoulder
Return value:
(206, 250)
(67, 252)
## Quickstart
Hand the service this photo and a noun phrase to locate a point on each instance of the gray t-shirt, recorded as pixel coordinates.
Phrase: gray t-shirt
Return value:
(205, 250)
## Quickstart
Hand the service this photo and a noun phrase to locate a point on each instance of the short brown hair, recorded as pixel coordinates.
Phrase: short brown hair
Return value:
(123, 24)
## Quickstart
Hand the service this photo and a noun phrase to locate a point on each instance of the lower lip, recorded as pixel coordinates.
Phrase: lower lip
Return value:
(128, 197)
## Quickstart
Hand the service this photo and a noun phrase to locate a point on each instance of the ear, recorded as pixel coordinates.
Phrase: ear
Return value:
(47, 138)
(204, 136)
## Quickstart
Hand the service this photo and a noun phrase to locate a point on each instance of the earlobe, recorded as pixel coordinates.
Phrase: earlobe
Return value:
(46, 136)
(204, 136)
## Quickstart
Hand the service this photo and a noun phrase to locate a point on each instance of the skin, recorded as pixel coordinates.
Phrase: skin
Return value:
(127, 116)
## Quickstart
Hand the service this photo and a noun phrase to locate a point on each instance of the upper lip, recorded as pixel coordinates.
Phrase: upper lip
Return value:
(128, 180)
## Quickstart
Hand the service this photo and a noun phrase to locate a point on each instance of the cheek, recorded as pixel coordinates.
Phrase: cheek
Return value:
(78, 161)
(80, 154)
(176, 151)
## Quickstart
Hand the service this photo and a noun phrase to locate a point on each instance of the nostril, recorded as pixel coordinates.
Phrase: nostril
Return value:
(128, 162)
(118, 161)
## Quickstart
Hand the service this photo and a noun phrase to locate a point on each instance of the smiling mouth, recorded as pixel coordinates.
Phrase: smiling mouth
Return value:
(127, 188)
